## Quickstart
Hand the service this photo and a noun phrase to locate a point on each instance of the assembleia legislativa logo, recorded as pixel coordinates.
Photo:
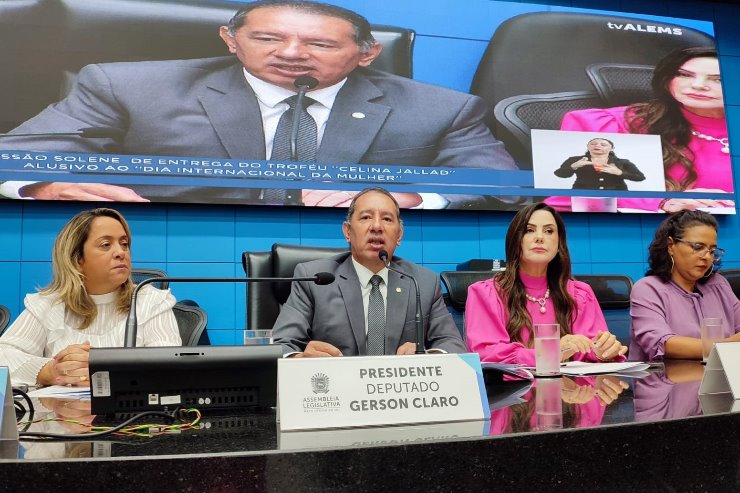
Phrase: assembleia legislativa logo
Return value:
(320, 383)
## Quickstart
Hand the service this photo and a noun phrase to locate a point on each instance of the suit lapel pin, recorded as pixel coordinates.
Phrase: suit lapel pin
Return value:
(398, 290)
(358, 115)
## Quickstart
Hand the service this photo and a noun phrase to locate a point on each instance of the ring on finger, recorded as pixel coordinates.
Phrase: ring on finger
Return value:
(83, 378)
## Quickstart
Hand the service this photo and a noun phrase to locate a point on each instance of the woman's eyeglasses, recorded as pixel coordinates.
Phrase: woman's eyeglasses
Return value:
(701, 250)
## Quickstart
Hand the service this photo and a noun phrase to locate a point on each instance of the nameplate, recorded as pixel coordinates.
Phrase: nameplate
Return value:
(722, 372)
(8, 427)
(321, 393)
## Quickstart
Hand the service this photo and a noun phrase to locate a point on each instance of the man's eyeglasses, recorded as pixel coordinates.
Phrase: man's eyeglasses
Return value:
(701, 250)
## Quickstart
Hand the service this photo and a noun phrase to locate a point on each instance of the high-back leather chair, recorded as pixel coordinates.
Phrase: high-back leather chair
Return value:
(265, 298)
(457, 283)
(550, 52)
(613, 294)
(733, 276)
(44, 43)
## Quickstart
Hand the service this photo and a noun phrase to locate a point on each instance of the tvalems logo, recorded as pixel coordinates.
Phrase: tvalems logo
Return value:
(645, 28)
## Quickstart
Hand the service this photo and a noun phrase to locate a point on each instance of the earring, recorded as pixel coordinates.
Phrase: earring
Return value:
(710, 271)
(672, 264)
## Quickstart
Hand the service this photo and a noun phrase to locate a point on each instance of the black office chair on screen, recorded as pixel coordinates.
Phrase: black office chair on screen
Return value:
(613, 294)
(733, 276)
(457, 282)
(542, 55)
(81, 32)
(265, 298)
(4, 318)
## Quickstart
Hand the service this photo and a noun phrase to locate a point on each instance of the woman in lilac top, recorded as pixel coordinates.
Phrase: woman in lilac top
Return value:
(536, 288)
(680, 289)
(688, 113)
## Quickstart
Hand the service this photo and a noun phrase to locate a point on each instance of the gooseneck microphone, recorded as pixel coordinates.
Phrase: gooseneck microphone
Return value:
(383, 255)
(303, 83)
(86, 133)
(320, 278)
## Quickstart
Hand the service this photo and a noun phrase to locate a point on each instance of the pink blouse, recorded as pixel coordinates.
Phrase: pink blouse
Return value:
(713, 167)
(486, 316)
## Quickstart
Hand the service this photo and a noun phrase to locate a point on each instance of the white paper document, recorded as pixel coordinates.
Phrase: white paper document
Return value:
(579, 368)
(61, 392)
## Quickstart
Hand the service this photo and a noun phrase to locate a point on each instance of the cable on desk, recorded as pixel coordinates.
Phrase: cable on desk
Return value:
(125, 428)
(20, 409)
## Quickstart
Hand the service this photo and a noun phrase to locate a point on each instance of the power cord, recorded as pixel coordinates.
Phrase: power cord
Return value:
(146, 430)
(20, 409)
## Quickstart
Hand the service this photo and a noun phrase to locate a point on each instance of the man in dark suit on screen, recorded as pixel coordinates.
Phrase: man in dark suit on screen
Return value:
(341, 319)
(219, 109)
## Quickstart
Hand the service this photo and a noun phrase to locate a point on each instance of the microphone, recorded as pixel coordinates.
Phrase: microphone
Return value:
(303, 83)
(383, 256)
(86, 132)
(320, 278)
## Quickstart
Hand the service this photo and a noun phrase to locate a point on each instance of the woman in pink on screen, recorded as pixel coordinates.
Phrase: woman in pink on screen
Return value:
(536, 288)
(689, 116)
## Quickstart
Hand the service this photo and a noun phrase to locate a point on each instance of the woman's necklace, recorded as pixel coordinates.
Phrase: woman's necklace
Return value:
(724, 141)
(539, 301)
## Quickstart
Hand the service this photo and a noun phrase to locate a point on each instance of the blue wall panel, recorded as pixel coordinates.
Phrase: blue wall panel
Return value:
(192, 240)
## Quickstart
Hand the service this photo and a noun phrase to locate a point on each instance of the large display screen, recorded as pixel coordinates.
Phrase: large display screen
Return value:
(450, 105)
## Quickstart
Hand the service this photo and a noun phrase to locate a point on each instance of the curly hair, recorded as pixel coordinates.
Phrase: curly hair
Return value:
(674, 226)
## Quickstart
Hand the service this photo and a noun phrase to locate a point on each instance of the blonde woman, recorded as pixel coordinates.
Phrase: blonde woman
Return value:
(85, 305)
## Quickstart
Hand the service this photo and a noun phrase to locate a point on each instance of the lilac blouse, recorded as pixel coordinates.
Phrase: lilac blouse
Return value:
(661, 310)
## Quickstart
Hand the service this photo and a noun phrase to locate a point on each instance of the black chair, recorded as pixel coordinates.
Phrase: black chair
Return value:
(4, 318)
(138, 275)
(518, 115)
(613, 294)
(265, 298)
(191, 318)
(44, 43)
(192, 321)
(457, 282)
(549, 52)
(733, 276)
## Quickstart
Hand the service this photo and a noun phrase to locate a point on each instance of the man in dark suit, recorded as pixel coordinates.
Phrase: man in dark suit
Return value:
(219, 109)
(337, 320)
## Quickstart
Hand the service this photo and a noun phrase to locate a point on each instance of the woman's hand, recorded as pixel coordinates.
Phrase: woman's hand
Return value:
(69, 367)
(607, 347)
(611, 169)
(571, 344)
(584, 161)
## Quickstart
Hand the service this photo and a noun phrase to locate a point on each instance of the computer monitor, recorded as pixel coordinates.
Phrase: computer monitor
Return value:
(210, 378)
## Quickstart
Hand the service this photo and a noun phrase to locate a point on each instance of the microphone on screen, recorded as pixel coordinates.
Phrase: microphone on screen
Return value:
(303, 84)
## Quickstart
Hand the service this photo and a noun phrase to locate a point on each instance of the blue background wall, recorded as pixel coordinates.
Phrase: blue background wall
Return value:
(196, 240)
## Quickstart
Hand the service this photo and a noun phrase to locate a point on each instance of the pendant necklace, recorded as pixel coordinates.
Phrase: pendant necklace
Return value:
(724, 142)
(539, 301)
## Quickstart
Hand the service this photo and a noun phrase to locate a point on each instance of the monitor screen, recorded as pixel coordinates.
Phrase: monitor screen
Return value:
(486, 105)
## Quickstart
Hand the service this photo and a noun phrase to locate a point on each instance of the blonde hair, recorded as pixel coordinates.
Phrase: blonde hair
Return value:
(68, 282)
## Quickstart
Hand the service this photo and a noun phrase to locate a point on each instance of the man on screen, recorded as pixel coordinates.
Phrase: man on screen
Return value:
(216, 108)
(368, 309)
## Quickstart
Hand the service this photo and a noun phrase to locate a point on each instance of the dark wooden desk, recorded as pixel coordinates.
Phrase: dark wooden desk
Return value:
(653, 437)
